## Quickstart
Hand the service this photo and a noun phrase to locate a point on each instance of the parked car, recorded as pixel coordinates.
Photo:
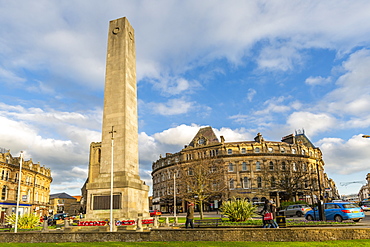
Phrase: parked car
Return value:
(155, 213)
(60, 216)
(296, 210)
(338, 211)
(365, 205)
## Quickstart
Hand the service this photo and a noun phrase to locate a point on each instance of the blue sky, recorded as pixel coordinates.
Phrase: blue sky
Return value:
(242, 67)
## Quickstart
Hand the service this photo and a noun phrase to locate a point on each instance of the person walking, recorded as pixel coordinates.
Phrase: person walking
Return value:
(267, 209)
(190, 215)
(273, 211)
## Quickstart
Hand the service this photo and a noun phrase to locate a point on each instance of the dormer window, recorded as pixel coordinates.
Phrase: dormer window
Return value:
(202, 141)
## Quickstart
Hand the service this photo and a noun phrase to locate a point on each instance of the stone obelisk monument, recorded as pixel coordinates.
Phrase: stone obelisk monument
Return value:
(119, 144)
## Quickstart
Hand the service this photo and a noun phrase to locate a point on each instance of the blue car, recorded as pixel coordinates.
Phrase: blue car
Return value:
(338, 211)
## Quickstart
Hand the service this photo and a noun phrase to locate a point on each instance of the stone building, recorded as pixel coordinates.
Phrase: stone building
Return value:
(35, 186)
(292, 169)
(364, 192)
(64, 203)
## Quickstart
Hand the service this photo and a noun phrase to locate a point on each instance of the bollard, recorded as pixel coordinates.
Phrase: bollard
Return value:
(175, 221)
(66, 223)
(167, 223)
(155, 222)
(45, 227)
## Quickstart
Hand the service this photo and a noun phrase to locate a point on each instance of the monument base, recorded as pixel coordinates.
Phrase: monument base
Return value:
(128, 203)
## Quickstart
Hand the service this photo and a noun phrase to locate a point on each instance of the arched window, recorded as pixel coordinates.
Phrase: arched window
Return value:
(99, 155)
(282, 150)
(229, 151)
(257, 150)
(245, 183)
(304, 167)
(4, 192)
(243, 150)
(231, 167)
(271, 166)
(258, 166)
(273, 182)
(283, 166)
(244, 166)
(259, 182)
(270, 149)
(294, 151)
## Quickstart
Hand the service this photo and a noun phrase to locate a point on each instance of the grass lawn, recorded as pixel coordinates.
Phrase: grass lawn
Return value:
(349, 243)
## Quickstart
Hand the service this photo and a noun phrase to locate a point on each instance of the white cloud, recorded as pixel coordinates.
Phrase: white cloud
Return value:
(65, 152)
(172, 107)
(179, 135)
(175, 86)
(231, 135)
(346, 157)
(352, 96)
(279, 58)
(312, 123)
(318, 80)
(251, 93)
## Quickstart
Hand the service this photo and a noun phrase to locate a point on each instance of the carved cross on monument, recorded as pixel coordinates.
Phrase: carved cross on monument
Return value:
(112, 132)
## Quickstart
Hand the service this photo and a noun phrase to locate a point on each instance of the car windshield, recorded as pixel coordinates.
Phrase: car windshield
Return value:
(366, 203)
(350, 205)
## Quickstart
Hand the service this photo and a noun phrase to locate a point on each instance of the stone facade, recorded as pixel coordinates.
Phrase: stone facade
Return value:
(364, 193)
(254, 169)
(35, 186)
(119, 136)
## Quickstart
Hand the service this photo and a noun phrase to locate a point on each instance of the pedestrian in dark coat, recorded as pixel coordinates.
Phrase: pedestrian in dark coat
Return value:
(190, 216)
(267, 209)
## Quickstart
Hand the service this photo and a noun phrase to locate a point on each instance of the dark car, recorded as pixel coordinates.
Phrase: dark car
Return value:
(60, 216)
(338, 211)
(296, 210)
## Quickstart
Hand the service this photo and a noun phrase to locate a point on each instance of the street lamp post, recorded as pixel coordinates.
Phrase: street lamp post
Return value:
(174, 194)
(19, 191)
(111, 181)
(320, 201)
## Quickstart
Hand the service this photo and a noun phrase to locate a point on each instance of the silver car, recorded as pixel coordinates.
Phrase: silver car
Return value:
(296, 210)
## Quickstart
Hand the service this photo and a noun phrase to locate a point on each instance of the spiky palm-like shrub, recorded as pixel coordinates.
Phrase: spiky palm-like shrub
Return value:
(26, 221)
(238, 209)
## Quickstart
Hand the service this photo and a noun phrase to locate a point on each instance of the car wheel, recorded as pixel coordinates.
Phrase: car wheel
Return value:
(338, 218)
(358, 220)
(309, 218)
(299, 214)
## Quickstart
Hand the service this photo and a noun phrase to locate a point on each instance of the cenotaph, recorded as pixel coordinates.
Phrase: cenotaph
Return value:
(119, 145)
